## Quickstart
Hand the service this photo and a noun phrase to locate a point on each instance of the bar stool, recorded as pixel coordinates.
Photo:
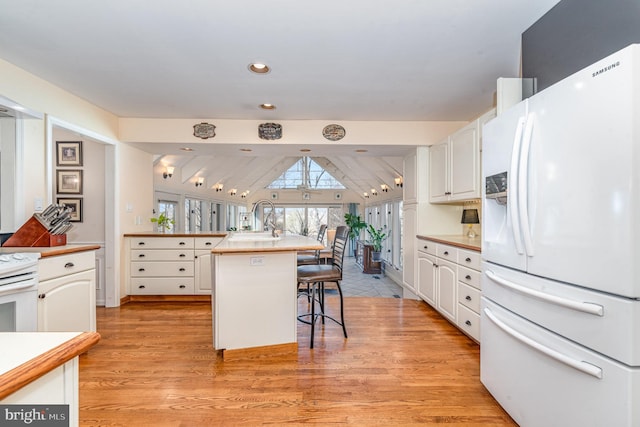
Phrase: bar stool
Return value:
(315, 277)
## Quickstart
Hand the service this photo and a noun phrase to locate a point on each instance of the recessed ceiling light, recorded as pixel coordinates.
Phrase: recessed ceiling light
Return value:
(305, 150)
(246, 150)
(186, 149)
(267, 106)
(259, 68)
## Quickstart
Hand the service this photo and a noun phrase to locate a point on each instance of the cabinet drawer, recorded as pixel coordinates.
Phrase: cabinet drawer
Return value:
(469, 322)
(207, 242)
(469, 297)
(161, 255)
(426, 246)
(469, 259)
(162, 286)
(470, 277)
(161, 269)
(161, 243)
(447, 252)
(62, 265)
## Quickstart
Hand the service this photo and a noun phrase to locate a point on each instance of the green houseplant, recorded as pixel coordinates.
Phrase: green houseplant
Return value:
(356, 225)
(378, 236)
(163, 221)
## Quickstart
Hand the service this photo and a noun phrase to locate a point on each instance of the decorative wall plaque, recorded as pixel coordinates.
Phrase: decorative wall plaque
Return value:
(333, 132)
(270, 131)
(204, 130)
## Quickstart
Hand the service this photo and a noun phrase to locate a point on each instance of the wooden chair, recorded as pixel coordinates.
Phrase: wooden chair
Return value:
(315, 276)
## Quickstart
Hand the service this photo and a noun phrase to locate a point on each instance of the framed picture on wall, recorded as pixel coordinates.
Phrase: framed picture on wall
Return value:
(69, 181)
(76, 208)
(69, 153)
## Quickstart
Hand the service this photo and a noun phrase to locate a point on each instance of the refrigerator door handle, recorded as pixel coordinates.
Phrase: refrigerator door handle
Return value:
(513, 187)
(579, 365)
(584, 307)
(523, 185)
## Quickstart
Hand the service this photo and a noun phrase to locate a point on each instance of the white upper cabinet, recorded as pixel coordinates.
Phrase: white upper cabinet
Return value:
(454, 164)
(415, 177)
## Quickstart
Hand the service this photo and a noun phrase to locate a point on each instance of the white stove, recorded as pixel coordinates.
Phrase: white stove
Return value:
(19, 292)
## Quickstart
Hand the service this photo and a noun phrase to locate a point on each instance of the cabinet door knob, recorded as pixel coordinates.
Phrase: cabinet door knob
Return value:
(181, 269)
(467, 277)
(182, 243)
(42, 296)
(468, 298)
(141, 287)
(446, 252)
(208, 244)
(468, 259)
(141, 256)
(468, 323)
(182, 286)
(426, 247)
(141, 243)
(69, 265)
(141, 269)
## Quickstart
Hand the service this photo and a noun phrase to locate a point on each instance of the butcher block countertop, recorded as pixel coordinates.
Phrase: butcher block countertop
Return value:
(458, 241)
(50, 251)
(27, 356)
(286, 243)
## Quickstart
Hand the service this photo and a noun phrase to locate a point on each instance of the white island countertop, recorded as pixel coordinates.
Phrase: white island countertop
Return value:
(285, 243)
(26, 356)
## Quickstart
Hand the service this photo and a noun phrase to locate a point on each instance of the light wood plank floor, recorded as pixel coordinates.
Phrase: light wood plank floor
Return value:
(401, 365)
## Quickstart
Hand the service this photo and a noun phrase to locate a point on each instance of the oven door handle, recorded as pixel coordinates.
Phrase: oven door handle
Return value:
(17, 287)
(582, 306)
(582, 366)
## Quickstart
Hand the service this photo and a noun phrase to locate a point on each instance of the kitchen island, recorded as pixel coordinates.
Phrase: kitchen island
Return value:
(254, 289)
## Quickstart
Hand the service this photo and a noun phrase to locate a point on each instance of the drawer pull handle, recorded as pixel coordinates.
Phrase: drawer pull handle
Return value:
(182, 255)
(468, 298)
(182, 243)
(468, 259)
(141, 287)
(182, 286)
(141, 243)
(208, 244)
(141, 269)
(426, 247)
(141, 256)
(468, 323)
(446, 252)
(69, 265)
(467, 277)
(182, 269)
(42, 296)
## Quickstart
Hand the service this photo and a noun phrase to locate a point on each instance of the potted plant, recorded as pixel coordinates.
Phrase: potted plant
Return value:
(163, 221)
(377, 238)
(355, 225)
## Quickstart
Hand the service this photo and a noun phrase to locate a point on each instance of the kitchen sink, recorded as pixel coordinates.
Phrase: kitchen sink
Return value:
(252, 237)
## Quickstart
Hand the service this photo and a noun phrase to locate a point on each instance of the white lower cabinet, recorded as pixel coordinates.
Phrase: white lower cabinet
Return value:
(449, 281)
(67, 293)
(170, 265)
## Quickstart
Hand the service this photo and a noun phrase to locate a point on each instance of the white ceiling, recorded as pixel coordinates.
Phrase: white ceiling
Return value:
(335, 60)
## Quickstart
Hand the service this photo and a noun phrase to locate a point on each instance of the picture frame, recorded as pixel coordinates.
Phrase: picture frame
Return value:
(69, 181)
(76, 207)
(68, 153)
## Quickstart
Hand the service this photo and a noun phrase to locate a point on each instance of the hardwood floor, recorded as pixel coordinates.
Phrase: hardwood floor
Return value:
(401, 365)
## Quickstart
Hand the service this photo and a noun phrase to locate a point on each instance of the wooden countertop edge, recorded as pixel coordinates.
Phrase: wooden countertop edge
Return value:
(15, 379)
(222, 251)
(450, 242)
(153, 234)
(65, 251)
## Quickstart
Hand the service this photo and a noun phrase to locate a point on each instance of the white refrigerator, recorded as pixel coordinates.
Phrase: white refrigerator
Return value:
(560, 325)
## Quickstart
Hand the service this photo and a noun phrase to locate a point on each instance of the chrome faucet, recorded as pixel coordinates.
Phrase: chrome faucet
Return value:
(271, 217)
